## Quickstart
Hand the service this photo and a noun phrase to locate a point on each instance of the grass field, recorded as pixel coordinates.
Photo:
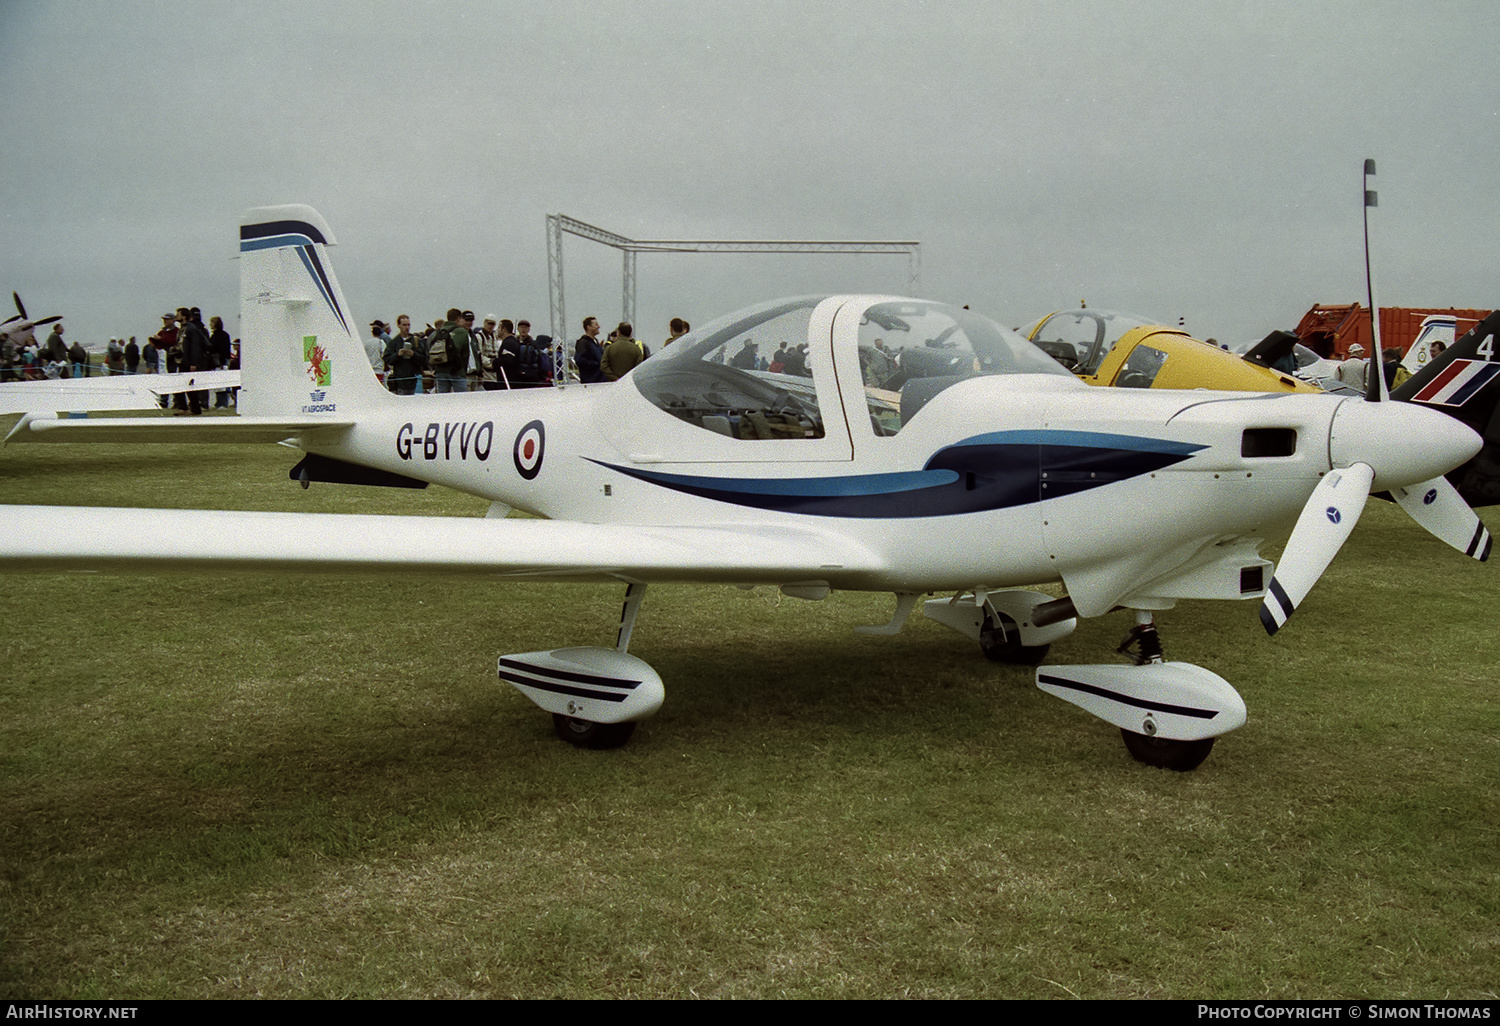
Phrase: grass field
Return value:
(316, 787)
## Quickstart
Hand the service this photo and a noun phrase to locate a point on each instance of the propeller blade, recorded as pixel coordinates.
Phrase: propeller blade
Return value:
(1326, 521)
(19, 308)
(1437, 506)
(47, 320)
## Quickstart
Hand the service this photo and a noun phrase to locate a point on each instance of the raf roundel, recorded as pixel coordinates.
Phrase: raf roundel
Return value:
(531, 442)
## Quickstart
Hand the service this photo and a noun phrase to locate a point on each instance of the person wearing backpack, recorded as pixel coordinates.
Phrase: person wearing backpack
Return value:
(448, 353)
(531, 371)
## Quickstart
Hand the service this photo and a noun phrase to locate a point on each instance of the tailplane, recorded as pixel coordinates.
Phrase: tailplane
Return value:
(300, 352)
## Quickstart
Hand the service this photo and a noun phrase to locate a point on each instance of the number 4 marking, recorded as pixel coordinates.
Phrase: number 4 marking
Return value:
(1487, 348)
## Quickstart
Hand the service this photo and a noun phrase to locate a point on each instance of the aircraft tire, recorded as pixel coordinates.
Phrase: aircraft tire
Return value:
(588, 734)
(1166, 754)
(1005, 647)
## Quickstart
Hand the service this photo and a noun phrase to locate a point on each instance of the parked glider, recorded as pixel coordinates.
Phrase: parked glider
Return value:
(118, 392)
(923, 450)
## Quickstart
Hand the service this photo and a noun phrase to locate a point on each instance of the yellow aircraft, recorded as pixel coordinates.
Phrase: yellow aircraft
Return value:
(1107, 348)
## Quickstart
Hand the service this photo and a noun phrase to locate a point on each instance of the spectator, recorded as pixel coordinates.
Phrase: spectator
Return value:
(622, 354)
(448, 352)
(486, 350)
(532, 368)
(587, 352)
(196, 354)
(405, 356)
(508, 356)
(375, 346)
(219, 352)
(56, 349)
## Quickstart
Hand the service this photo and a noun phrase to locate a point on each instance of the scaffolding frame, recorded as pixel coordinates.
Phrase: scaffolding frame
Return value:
(560, 224)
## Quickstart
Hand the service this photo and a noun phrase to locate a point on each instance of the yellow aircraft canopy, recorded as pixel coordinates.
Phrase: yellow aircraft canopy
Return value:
(1106, 348)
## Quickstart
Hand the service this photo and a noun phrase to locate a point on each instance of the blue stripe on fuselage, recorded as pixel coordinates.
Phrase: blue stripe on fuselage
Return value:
(998, 470)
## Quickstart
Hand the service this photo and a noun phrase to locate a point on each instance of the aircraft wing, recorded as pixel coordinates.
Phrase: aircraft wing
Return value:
(83, 539)
(119, 392)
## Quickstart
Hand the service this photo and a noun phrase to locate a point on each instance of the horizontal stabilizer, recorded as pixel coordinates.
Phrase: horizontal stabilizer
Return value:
(210, 430)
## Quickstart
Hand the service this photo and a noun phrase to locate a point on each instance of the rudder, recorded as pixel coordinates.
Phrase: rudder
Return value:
(300, 353)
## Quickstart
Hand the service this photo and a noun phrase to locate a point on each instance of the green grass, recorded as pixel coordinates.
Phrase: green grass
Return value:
(313, 787)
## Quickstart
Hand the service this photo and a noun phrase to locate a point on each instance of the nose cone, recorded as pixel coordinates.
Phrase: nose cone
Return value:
(1404, 443)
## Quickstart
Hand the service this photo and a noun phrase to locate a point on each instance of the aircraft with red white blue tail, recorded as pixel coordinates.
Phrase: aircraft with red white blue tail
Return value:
(1460, 382)
(900, 445)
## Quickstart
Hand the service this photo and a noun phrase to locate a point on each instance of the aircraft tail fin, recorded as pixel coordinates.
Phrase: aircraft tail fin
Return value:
(1464, 382)
(300, 351)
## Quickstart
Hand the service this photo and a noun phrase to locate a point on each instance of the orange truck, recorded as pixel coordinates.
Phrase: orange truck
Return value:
(1329, 331)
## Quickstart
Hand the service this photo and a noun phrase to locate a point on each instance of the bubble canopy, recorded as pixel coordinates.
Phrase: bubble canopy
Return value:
(764, 372)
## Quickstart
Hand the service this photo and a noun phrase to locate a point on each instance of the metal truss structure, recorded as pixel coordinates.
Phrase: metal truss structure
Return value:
(558, 224)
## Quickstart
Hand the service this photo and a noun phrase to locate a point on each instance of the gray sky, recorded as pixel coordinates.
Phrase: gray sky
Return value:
(1173, 159)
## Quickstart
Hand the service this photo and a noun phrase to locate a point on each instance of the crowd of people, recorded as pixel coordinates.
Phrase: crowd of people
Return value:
(1355, 370)
(453, 355)
(29, 361)
(183, 343)
(449, 356)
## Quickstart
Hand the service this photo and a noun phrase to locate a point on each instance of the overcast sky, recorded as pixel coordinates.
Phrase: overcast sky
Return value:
(1173, 159)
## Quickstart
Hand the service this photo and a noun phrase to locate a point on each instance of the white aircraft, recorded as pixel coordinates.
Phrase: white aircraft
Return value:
(21, 330)
(925, 450)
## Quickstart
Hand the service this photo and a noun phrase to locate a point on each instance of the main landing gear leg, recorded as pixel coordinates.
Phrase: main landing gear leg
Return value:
(1143, 647)
(587, 733)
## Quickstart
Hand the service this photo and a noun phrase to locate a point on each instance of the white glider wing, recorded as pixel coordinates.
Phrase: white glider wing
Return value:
(80, 539)
(120, 392)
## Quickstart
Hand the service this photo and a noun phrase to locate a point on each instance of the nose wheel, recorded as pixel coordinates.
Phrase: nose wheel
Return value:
(1143, 647)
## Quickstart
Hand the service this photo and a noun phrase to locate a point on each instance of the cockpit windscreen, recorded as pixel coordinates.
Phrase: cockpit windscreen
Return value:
(744, 376)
